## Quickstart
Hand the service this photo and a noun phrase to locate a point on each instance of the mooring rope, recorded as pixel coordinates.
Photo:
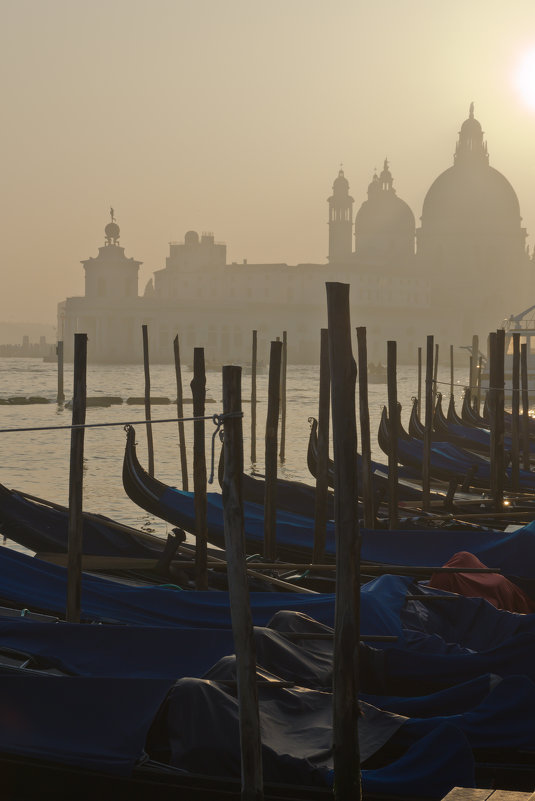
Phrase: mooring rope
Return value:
(217, 419)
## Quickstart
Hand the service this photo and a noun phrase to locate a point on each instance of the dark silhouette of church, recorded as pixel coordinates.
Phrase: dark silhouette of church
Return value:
(461, 272)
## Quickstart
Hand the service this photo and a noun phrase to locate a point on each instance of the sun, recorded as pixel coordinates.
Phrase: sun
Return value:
(524, 78)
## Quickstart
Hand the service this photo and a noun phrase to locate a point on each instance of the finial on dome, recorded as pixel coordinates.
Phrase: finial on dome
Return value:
(112, 230)
(472, 110)
(386, 176)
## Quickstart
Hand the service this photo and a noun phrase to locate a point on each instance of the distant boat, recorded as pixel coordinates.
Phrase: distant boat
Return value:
(376, 373)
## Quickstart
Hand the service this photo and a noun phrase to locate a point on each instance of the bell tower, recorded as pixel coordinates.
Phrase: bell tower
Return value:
(340, 221)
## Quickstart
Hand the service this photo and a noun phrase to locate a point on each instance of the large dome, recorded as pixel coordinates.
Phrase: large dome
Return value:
(469, 196)
(384, 224)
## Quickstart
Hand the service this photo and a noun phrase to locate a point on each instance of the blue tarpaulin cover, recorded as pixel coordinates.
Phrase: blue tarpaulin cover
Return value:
(153, 683)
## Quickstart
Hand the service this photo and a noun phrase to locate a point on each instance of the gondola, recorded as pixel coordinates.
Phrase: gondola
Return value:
(42, 526)
(409, 482)
(425, 543)
(471, 417)
(294, 531)
(466, 436)
(452, 415)
(118, 550)
(448, 462)
(163, 721)
(407, 477)
(292, 496)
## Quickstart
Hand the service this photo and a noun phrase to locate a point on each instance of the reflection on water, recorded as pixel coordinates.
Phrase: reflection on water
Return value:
(38, 462)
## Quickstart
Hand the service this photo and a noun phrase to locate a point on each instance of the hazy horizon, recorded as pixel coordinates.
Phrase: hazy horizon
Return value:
(234, 118)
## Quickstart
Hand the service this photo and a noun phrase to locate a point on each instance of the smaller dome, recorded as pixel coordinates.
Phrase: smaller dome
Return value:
(341, 180)
(471, 127)
(112, 231)
(384, 224)
(191, 238)
(374, 186)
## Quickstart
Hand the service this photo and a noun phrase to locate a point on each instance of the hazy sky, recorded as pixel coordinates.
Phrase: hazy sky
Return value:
(232, 116)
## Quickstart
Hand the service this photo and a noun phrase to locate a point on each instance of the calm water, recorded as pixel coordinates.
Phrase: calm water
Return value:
(38, 462)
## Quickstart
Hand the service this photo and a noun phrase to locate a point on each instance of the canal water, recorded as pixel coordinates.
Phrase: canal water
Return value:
(38, 462)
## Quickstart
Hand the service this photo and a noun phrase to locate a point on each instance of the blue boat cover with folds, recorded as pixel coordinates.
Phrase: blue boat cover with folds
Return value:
(100, 724)
(450, 460)
(511, 552)
(133, 685)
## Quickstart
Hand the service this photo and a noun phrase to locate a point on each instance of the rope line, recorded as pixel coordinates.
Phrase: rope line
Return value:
(217, 419)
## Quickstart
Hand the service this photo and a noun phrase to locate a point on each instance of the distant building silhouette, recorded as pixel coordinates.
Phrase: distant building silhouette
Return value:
(460, 273)
(340, 221)
(471, 241)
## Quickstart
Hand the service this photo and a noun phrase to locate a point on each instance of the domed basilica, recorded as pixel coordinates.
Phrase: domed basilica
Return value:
(460, 273)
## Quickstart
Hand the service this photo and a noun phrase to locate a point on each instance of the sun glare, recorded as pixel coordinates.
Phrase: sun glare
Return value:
(524, 78)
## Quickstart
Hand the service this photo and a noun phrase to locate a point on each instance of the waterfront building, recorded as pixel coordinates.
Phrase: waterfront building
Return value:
(451, 277)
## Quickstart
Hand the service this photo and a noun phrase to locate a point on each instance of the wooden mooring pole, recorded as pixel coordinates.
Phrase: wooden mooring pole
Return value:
(477, 399)
(284, 365)
(272, 424)
(435, 377)
(150, 445)
(240, 609)
(525, 404)
(419, 382)
(253, 396)
(393, 414)
(198, 389)
(322, 478)
(500, 417)
(180, 415)
(61, 394)
(474, 364)
(452, 380)
(346, 754)
(428, 423)
(76, 472)
(365, 440)
(496, 412)
(515, 410)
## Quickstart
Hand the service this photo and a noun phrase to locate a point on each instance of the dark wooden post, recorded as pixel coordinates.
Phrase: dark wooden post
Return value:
(284, 364)
(76, 472)
(428, 423)
(322, 478)
(272, 424)
(525, 404)
(346, 753)
(452, 380)
(365, 440)
(59, 351)
(474, 363)
(393, 414)
(198, 389)
(515, 409)
(419, 382)
(180, 415)
(496, 412)
(253, 397)
(150, 446)
(435, 377)
(500, 422)
(477, 399)
(240, 609)
(491, 403)
(470, 374)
